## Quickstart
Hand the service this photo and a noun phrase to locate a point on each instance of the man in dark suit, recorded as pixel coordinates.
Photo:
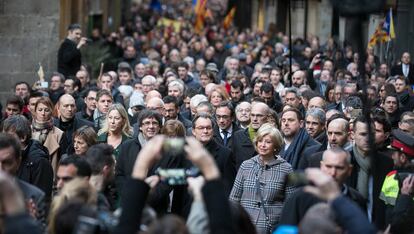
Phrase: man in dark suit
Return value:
(69, 55)
(225, 126)
(405, 68)
(203, 131)
(242, 146)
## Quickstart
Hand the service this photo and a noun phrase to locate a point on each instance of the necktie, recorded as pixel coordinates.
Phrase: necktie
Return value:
(224, 137)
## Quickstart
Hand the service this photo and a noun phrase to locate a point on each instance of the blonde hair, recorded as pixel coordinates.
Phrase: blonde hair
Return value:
(273, 132)
(126, 128)
(78, 190)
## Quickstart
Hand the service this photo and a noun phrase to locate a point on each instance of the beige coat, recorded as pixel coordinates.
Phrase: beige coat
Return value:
(52, 143)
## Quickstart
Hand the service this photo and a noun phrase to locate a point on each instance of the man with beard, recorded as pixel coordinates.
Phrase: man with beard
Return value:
(236, 92)
(267, 92)
(242, 146)
(172, 111)
(337, 133)
(391, 106)
(297, 141)
(315, 125)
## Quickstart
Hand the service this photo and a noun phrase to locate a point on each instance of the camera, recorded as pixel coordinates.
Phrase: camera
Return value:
(401, 176)
(173, 147)
(177, 176)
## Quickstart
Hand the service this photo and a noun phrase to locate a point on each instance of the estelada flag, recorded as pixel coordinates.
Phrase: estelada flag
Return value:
(384, 31)
(229, 18)
(200, 9)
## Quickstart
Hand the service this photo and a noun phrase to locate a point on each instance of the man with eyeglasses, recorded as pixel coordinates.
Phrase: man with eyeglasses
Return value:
(242, 146)
(89, 97)
(203, 131)
(150, 123)
(243, 114)
(225, 127)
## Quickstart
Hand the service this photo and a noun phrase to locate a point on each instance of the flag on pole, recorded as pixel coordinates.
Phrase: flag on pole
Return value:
(384, 31)
(200, 9)
(388, 26)
(229, 18)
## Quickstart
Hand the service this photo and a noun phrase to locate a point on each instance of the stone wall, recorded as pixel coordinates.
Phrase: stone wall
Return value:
(29, 32)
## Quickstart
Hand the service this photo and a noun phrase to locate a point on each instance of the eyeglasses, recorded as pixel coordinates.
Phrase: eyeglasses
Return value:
(148, 123)
(204, 127)
(244, 110)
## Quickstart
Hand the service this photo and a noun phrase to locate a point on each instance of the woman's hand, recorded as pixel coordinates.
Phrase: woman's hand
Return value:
(147, 157)
(197, 154)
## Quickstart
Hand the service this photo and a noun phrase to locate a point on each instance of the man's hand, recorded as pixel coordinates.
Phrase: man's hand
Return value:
(324, 187)
(195, 185)
(82, 42)
(316, 59)
(408, 186)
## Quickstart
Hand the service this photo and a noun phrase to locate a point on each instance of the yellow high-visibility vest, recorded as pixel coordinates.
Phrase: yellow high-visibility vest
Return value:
(390, 189)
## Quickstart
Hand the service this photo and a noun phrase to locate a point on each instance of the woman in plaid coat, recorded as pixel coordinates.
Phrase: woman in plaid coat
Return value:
(260, 186)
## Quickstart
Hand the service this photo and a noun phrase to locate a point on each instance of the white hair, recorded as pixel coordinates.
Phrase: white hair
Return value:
(197, 99)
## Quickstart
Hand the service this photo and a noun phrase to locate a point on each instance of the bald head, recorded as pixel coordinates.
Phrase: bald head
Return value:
(338, 131)
(318, 102)
(152, 94)
(156, 104)
(67, 107)
(258, 115)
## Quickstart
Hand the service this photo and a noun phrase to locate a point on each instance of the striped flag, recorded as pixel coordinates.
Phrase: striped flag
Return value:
(200, 10)
(384, 31)
(229, 18)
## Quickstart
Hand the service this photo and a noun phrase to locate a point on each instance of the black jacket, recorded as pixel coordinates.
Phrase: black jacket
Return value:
(136, 193)
(38, 197)
(35, 168)
(69, 128)
(223, 158)
(242, 147)
(397, 70)
(381, 167)
(128, 153)
(219, 139)
(69, 58)
(299, 203)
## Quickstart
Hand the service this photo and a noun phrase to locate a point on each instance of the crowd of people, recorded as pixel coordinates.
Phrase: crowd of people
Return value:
(214, 132)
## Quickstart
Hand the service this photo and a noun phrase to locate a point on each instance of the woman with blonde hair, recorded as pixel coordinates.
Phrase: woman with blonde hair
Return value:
(262, 180)
(218, 95)
(116, 129)
(46, 133)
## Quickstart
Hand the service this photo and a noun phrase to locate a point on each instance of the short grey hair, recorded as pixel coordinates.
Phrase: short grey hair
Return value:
(178, 84)
(338, 150)
(151, 79)
(317, 113)
(197, 99)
